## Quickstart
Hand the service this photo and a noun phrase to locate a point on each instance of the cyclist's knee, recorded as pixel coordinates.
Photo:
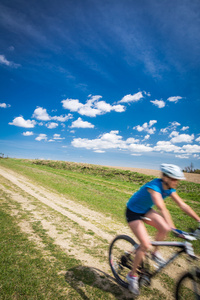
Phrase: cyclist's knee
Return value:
(145, 246)
(167, 228)
(164, 228)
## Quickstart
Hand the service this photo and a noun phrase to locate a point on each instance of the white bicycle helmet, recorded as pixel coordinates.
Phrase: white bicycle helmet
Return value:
(172, 171)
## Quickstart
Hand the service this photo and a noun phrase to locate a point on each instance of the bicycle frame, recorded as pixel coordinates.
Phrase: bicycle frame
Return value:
(172, 258)
(121, 263)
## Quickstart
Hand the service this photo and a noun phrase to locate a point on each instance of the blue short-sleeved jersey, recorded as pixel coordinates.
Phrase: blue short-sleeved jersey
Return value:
(141, 201)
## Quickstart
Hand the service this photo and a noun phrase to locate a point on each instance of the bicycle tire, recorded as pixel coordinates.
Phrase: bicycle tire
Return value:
(185, 287)
(121, 257)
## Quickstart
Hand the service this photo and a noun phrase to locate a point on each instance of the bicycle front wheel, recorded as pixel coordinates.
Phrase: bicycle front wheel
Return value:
(188, 287)
(121, 256)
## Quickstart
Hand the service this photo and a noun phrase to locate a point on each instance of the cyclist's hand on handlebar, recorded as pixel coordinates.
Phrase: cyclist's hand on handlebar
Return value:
(186, 235)
(198, 225)
(177, 233)
(197, 231)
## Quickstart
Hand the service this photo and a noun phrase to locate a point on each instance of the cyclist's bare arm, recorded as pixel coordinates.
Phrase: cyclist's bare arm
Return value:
(184, 207)
(158, 201)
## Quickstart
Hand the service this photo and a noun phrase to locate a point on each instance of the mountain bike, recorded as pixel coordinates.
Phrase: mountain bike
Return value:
(121, 256)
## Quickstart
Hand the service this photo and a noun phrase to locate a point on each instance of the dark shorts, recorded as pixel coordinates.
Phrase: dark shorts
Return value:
(133, 216)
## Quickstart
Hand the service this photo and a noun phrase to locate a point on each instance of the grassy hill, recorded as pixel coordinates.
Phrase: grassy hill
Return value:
(33, 265)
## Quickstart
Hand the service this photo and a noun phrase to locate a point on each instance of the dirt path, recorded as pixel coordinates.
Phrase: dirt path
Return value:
(82, 228)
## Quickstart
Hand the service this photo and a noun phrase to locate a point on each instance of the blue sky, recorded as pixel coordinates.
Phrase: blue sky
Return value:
(105, 82)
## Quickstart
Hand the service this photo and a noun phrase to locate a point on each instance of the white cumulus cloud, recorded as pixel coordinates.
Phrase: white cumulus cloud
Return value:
(52, 125)
(41, 114)
(132, 98)
(184, 128)
(166, 146)
(28, 133)
(147, 127)
(132, 141)
(147, 137)
(62, 118)
(173, 133)
(140, 148)
(72, 104)
(4, 105)
(174, 99)
(92, 107)
(118, 108)
(182, 138)
(158, 103)
(41, 137)
(20, 122)
(191, 148)
(79, 123)
(172, 126)
(111, 140)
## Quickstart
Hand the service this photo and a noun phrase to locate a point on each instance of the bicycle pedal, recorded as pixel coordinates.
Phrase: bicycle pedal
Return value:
(145, 280)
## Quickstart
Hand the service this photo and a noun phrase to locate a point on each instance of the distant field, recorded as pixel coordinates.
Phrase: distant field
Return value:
(189, 176)
(56, 222)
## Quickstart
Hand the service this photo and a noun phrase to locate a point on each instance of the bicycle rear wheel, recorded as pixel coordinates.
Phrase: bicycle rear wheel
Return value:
(121, 256)
(188, 287)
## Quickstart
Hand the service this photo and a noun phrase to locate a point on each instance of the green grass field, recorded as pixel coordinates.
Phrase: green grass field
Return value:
(102, 189)
(26, 273)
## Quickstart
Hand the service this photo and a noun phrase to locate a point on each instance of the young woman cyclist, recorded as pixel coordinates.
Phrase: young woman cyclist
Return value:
(139, 210)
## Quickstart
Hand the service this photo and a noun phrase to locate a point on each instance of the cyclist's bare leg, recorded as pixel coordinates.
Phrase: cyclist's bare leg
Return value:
(157, 221)
(139, 230)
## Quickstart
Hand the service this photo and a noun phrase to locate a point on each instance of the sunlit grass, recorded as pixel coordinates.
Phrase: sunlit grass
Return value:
(101, 189)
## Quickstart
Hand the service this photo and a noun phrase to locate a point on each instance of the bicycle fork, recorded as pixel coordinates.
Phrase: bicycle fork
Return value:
(196, 275)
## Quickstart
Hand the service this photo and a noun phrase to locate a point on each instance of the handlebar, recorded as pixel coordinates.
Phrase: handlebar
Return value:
(191, 236)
